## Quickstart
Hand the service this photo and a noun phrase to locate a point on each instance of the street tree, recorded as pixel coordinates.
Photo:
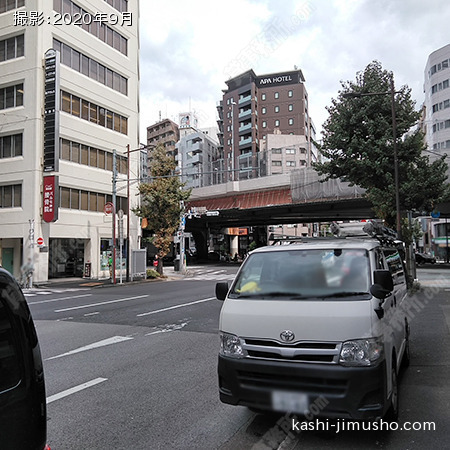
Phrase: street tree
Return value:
(162, 202)
(358, 146)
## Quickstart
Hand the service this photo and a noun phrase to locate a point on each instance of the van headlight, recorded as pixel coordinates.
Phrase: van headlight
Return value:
(361, 352)
(231, 346)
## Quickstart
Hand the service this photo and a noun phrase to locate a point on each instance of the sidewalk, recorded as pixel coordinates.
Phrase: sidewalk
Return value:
(168, 274)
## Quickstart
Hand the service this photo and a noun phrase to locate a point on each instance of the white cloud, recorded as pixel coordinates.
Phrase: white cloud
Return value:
(189, 49)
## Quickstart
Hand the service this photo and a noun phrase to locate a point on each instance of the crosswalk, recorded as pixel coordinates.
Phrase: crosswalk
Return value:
(33, 292)
(203, 274)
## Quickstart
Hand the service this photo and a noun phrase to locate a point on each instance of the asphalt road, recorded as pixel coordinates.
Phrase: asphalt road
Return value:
(135, 367)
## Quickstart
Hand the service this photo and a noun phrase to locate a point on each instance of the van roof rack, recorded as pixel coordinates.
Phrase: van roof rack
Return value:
(284, 239)
(369, 228)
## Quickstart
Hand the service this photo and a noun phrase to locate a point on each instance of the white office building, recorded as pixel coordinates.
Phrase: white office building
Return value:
(68, 109)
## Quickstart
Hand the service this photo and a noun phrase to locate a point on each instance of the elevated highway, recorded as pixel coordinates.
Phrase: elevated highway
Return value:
(296, 197)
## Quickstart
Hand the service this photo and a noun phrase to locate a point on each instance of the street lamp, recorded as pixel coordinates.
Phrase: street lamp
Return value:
(392, 93)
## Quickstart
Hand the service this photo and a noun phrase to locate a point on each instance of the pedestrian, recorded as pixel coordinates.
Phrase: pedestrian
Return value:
(26, 273)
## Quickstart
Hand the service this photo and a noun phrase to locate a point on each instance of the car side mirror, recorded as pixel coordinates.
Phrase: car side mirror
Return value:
(381, 288)
(221, 290)
(383, 284)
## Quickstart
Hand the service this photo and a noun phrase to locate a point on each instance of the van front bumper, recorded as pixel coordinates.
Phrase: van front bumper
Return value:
(335, 391)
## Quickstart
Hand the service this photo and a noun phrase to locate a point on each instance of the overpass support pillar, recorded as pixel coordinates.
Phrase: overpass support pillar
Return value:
(234, 245)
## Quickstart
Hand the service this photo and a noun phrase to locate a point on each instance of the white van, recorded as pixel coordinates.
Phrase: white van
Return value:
(321, 319)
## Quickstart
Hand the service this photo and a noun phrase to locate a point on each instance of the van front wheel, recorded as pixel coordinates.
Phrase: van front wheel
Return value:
(392, 413)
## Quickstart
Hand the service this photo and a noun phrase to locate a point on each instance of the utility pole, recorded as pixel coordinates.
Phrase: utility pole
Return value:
(114, 195)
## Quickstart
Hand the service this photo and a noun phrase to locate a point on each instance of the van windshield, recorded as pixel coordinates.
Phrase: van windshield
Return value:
(302, 274)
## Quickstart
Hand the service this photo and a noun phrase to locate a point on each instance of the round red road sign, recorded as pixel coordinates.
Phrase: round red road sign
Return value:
(109, 208)
(40, 241)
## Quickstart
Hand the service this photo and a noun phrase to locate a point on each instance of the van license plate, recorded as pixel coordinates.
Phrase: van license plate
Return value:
(290, 402)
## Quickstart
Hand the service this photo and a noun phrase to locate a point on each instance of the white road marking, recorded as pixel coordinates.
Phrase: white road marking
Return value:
(175, 307)
(91, 314)
(75, 389)
(58, 299)
(169, 328)
(109, 341)
(100, 304)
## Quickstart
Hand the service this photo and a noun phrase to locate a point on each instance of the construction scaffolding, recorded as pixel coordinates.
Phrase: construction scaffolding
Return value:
(307, 186)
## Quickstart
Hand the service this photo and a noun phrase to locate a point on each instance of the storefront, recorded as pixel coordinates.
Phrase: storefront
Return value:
(66, 258)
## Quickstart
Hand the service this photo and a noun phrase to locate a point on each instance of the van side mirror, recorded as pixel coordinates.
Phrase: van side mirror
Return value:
(221, 290)
(381, 288)
(383, 284)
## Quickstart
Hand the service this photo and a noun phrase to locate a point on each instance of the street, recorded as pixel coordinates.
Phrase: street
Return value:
(134, 366)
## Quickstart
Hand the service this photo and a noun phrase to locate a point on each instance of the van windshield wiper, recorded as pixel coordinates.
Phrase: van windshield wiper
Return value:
(343, 294)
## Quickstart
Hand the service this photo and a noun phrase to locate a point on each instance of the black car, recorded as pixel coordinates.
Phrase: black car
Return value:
(424, 258)
(23, 412)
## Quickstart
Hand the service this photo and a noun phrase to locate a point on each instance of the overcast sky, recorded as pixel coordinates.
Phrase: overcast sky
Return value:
(190, 48)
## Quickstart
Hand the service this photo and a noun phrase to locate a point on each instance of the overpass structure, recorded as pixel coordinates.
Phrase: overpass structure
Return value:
(295, 197)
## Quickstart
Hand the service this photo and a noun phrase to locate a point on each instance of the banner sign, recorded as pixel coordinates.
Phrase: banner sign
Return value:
(51, 198)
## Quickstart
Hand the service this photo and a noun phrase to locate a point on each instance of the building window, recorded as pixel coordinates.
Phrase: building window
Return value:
(276, 163)
(11, 96)
(277, 109)
(12, 48)
(77, 199)
(101, 31)
(263, 110)
(276, 151)
(11, 196)
(263, 96)
(120, 5)
(93, 113)
(90, 156)
(264, 124)
(290, 163)
(290, 151)
(276, 95)
(90, 68)
(277, 123)
(290, 93)
(291, 121)
(11, 146)
(290, 107)
(8, 5)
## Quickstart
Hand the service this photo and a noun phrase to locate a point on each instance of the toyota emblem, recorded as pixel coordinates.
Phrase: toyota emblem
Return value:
(287, 336)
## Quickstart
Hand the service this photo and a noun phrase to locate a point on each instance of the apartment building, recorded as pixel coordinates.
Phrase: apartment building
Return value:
(69, 109)
(436, 125)
(164, 132)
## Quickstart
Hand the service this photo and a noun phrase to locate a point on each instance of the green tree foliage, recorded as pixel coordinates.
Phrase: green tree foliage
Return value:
(162, 201)
(358, 146)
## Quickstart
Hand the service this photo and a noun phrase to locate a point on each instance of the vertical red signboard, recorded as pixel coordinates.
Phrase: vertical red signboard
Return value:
(50, 200)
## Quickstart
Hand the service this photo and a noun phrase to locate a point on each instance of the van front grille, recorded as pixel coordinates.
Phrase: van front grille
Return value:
(310, 352)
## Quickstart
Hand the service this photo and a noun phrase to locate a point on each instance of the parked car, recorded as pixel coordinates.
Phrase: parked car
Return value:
(425, 258)
(322, 320)
(23, 413)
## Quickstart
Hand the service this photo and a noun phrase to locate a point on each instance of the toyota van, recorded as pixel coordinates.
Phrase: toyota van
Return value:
(321, 319)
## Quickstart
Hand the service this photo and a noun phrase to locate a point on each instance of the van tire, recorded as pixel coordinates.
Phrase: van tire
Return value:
(392, 412)
(406, 359)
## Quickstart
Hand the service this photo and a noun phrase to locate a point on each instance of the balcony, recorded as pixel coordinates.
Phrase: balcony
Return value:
(245, 113)
(242, 128)
(245, 99)
(196, 159)
(197, 147)
(246, 141)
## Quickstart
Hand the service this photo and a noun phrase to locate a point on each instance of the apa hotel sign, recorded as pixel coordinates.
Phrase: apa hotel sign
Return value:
(279, 79)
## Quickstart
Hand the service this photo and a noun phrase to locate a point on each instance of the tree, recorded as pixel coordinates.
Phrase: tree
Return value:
(358, 146)
(162, 202)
